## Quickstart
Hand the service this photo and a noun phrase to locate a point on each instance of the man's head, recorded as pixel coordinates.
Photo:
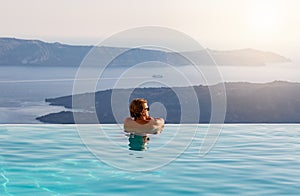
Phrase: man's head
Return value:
(138, 108)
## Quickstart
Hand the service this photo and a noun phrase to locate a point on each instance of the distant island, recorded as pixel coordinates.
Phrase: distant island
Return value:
(275, 102)
(19, 52)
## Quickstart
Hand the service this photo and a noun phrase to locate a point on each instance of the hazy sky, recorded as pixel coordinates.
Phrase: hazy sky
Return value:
(217, 24)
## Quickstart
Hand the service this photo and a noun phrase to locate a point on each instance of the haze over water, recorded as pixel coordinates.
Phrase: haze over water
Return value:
(24, 89)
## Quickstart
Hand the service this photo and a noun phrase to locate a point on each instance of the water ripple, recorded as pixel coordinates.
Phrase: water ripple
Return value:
(247, 160)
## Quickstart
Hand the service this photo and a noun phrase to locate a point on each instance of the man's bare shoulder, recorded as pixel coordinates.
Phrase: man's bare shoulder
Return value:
(159, 121)
(128, 119)
(153, 125)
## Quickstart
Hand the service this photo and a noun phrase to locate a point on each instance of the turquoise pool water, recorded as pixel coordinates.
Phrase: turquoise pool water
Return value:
(246, 160)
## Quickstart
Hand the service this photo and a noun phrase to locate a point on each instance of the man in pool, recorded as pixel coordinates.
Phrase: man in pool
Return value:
(140, 123)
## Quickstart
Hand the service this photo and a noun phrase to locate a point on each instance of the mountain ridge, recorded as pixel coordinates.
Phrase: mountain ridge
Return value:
(274, 102)
(22, 52)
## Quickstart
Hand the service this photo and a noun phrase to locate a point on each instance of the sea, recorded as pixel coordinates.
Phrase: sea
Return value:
(23, 89)
(44, 159)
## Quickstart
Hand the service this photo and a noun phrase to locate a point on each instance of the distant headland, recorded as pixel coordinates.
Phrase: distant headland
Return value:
(275, 102)
(19, 52)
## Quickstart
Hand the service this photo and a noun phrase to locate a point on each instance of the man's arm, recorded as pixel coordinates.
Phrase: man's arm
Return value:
(159, 125)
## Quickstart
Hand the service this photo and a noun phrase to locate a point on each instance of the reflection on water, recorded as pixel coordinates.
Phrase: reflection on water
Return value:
(137, 142)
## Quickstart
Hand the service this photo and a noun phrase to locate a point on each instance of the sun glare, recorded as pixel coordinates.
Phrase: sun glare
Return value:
(264, 20)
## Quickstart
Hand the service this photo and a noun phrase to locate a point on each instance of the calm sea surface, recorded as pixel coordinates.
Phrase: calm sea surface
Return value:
(24, 89)
(254, 159)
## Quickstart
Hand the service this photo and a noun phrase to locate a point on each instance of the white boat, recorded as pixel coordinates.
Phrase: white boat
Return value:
(157, 76)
